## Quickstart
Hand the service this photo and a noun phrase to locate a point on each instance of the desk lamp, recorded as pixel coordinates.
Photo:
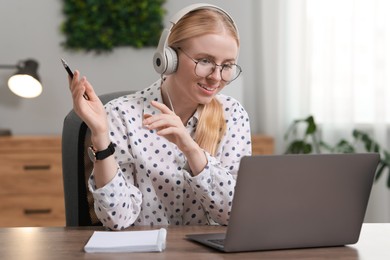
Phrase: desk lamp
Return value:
(25, 82)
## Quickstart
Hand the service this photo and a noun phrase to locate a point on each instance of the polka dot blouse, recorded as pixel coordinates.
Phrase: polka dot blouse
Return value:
(153, 184)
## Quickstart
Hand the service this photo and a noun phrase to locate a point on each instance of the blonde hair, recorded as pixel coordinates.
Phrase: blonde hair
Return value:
(212, 125)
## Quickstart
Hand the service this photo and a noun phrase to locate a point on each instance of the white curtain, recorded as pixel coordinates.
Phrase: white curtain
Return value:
(333, 63)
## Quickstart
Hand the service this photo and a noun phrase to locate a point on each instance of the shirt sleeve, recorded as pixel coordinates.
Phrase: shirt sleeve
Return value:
(118, 203)
(214, 186)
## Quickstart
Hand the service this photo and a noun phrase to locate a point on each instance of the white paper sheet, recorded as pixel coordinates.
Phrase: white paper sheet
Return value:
(127, 241)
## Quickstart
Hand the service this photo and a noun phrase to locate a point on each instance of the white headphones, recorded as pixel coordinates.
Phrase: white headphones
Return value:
(165, 58)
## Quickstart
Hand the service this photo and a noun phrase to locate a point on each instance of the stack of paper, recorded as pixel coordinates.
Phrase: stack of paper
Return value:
(127, 241)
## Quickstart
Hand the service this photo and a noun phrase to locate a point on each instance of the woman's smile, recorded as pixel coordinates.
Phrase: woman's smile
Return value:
(209, 90)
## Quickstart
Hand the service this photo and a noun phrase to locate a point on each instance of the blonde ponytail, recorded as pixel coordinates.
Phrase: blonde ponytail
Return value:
(211, 126)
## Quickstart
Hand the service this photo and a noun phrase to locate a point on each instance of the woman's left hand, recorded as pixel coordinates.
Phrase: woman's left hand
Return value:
(169, 125)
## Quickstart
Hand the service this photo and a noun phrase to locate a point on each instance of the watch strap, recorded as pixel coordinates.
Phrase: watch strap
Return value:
(100, 155)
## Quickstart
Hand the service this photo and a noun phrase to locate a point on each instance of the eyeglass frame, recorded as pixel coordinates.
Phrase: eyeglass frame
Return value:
(215, 67)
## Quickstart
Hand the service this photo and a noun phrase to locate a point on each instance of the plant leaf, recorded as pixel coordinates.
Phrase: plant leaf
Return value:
(311, 127)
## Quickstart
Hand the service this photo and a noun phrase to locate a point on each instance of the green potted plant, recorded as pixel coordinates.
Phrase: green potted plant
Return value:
(310, 142)
(100, 26)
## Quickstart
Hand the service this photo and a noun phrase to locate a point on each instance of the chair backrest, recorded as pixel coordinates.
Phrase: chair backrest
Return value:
(76, 168)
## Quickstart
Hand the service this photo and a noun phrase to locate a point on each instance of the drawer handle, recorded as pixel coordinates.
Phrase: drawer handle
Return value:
(36, 211)
(36, 167)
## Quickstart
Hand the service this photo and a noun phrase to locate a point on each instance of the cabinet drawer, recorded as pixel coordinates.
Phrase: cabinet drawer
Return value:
(26, 162)
(31, 174)
(32, 211)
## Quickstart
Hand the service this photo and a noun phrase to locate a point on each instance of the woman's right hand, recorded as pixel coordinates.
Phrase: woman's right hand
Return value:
(89, 109)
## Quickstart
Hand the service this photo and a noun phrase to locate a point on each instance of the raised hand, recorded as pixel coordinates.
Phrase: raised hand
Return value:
(90, 110)
(169, 125)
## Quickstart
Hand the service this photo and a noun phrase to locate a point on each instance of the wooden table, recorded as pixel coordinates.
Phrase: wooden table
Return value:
(67, 243)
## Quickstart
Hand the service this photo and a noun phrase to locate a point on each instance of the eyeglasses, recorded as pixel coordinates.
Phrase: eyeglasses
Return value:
(205, 67)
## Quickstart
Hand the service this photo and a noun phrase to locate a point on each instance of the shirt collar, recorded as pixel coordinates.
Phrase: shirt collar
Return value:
(152, 93)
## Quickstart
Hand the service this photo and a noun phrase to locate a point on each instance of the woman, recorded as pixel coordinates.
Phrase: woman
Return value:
(178, 143)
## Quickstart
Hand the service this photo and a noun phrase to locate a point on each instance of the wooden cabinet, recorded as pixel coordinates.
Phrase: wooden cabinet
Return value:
(31, 187)
(262, 144)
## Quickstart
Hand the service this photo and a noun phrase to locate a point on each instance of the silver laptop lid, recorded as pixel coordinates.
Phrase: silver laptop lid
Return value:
(297, 201)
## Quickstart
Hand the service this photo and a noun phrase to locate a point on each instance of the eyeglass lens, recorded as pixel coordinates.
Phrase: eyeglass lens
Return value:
(229, 72)
(205, 67)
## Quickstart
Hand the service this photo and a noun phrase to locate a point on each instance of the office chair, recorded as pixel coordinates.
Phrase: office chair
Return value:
(76, 168)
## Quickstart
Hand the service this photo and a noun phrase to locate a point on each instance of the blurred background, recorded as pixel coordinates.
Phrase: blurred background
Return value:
(325, 58)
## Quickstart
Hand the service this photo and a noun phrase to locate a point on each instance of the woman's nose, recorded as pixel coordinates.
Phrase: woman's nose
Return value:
(216, 74)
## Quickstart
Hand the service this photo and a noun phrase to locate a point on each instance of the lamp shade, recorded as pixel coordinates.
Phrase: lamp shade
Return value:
(25, 82)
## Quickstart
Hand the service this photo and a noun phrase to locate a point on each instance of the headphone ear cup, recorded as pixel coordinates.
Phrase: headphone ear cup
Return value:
(159, 62)
(171, 60)
(166, 62)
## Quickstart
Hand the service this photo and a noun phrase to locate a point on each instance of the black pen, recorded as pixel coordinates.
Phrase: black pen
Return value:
(70, 73)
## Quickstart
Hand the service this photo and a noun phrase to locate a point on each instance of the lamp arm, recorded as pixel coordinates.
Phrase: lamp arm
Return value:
(8, 66)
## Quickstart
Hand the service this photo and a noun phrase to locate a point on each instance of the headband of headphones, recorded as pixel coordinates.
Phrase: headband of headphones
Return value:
(165, 58)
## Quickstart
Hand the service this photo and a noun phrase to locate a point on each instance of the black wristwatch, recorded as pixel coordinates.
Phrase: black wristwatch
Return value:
(100, 155)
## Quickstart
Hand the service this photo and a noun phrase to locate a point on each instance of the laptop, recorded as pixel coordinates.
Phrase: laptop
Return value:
(296, 201)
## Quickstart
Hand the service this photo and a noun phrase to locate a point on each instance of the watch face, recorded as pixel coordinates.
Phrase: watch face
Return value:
(91, 154)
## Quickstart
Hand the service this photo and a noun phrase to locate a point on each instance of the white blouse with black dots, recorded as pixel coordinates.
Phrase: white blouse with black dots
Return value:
(153, 185)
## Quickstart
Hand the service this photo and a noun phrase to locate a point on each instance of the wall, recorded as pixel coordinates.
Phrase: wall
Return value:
(31, 29)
